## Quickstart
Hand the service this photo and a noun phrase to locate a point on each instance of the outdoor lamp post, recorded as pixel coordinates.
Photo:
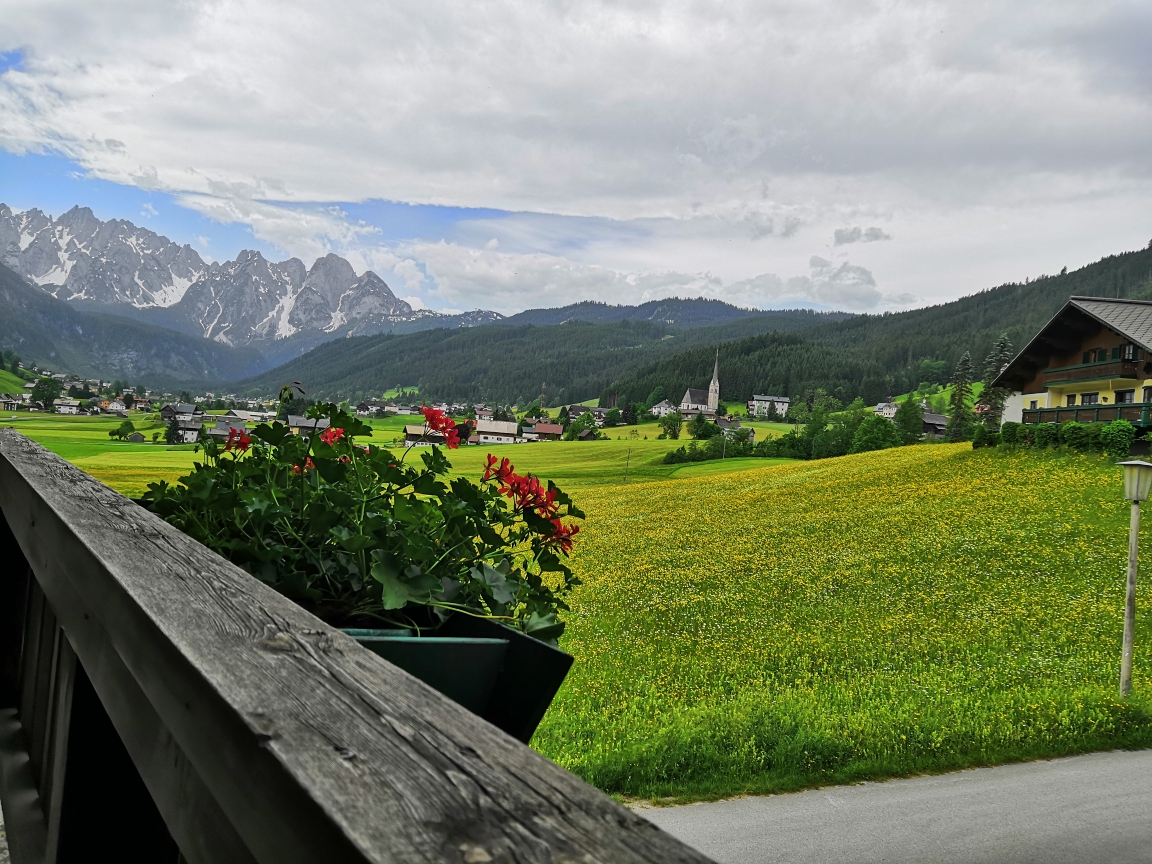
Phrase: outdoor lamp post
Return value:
(1137, 484)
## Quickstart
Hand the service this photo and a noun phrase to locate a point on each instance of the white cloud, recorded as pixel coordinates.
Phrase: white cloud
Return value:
(843, 236)
(148, 211)
(730, 140)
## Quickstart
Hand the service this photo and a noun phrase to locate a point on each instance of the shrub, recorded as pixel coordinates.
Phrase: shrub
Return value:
(979, 437)
(361, 538)
(1046, 435)
(1025, 435)
(1074, 436)
(1116, 438)
(875, 432)
(1008, 433)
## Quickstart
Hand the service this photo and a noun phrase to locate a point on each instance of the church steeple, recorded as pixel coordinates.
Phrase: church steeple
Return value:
(714, 387)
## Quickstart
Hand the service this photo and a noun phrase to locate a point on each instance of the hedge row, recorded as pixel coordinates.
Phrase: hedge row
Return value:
(1113, 438)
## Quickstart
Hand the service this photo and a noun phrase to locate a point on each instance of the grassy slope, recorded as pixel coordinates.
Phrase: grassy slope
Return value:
(912, 610)
(10, 383)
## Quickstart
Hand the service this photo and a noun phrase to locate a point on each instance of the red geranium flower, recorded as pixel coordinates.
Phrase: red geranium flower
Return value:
(331, 436)
(237, 440)
(308, 465)
(438, 421)
(500, 472)
(562, 535)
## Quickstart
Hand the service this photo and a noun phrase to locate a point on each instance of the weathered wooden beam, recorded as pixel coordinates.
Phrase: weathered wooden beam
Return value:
(234, 700)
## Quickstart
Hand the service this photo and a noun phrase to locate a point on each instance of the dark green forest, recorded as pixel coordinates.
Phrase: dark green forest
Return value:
(876, 356)
(502, 362)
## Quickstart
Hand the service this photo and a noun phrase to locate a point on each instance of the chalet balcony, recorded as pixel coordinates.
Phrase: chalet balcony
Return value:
(1094, 372)
(1136, 413)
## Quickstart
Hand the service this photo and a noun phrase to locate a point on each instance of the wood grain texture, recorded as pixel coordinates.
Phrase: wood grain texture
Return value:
(315, 748)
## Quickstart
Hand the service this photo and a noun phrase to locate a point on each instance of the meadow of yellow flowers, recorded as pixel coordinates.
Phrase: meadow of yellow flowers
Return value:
(914, 609)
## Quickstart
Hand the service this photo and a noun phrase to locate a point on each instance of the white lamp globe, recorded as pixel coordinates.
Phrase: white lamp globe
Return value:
(1137, 479)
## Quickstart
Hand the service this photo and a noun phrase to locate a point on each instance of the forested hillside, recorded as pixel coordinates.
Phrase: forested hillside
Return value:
(875, 356)
(502, 362)
(50, 332)
(673, 311)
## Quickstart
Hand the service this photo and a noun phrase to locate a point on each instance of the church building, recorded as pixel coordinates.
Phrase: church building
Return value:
(703, 402)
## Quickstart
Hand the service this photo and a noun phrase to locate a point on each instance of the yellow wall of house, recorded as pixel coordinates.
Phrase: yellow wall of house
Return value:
(1105, 390)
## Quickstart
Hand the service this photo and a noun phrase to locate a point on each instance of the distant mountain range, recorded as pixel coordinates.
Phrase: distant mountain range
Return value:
(119, 268)
(277, 310)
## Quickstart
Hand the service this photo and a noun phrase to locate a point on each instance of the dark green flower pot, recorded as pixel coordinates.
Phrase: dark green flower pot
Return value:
(532, 674)
(505, 676)
(463, 669)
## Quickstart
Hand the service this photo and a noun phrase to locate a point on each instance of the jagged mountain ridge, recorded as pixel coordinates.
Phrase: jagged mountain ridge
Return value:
(119, 268)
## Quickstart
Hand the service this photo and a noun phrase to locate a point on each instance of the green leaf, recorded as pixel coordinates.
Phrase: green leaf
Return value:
(496, 578)
(546, 628)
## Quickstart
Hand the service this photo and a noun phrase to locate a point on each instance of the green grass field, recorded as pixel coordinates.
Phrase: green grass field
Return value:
(919, 609)
(10, 383)
(747, 626)
(129, 468)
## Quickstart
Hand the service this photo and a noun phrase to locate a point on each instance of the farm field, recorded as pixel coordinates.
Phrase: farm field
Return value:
(919, 609)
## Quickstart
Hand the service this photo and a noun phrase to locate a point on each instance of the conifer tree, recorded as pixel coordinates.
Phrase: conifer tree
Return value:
(961, 422)
(992, 398)
(909, 420)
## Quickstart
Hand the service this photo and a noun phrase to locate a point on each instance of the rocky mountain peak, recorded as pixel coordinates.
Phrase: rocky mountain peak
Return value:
(116, 264)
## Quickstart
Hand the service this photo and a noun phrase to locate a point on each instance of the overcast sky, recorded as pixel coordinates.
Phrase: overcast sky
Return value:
(853, 155)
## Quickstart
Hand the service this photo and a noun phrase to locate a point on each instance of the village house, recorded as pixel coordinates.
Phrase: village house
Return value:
(250, 416)
(761, 406)
(136, 438)
(298, 423)
(171, 410)
(1092, 362)
(10, 402)
(935, 425)
(546, 431)
(224, 427)
(730, 427)
(66, 406)
(662, 409)
(484, 413)
(704, 402)
(188, 429)
(886, 409)
(495, 432)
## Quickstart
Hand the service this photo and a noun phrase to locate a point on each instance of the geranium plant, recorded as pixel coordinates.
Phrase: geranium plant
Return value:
(364, 537)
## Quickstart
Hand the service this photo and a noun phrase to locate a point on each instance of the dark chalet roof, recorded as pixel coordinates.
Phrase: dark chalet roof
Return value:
(696, 397)
(1080, 316)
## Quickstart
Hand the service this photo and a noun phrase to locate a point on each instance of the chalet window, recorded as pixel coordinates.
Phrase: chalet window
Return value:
(1147, 396)
(1129, 352)
(1032, 405)
(1101, 355)
(1116, 353)
(1089, 398)
(1071, 399)
(1125, 396)
(1087, 356)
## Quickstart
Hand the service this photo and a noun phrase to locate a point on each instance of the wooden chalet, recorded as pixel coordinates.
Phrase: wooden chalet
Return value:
(1092, 362)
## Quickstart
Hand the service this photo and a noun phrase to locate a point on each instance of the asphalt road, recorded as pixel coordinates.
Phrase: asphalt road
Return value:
(1095, 808)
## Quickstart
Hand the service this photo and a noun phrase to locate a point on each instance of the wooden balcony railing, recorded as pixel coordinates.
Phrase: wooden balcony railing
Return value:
(159, 704)
(1134, 412)
(1093, 371)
